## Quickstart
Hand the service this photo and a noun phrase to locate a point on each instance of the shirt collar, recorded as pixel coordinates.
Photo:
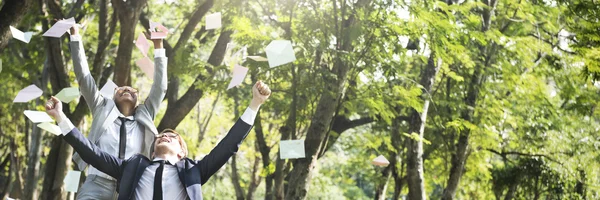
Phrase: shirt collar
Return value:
(172, 161)
(129, 118)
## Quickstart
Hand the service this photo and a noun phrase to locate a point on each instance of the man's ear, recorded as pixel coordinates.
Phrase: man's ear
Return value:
(153, 155)
(180, 155)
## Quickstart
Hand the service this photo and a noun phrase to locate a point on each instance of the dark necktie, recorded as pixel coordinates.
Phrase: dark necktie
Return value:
(158, 181)
(122, 138)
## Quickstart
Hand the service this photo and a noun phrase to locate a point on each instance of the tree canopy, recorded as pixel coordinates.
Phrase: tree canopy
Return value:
(489, 99)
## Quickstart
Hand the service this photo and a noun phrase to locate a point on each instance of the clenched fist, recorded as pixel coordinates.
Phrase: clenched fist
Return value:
(260, 94)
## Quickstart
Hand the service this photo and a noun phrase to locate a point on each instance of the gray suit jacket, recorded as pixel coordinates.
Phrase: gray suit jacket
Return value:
(104, 109)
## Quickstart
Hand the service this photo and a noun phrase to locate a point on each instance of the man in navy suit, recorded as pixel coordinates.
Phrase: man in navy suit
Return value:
(169, 174)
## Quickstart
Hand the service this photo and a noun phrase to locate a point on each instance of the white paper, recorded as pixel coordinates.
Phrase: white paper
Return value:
(72, 181)
(290, 149)
(108, 90)
(37, 116)
(161, 32)
(27, 94)
(258, 58)
(59, 28)
(280, 52)
(213, 21)
(47, 126)
(68, 94)
(142, 44)
(19, 35)
(380, 161)
(0, 65)
(147, 66)
(239, 73)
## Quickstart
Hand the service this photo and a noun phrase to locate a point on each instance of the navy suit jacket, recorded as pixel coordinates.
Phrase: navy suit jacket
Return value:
(192, 173)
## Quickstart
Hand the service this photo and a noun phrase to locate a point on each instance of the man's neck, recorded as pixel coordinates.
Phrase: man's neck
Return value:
(168, 157)
(126, 110)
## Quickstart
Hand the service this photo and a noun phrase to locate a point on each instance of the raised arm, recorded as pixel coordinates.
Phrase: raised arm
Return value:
(232, 141)
(159, 86)
(87, 84)
(89, 152)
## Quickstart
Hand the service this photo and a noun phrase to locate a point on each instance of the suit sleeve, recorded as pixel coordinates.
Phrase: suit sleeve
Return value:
(228, 146)
(91, 154)
(87, 84)
(159, 86)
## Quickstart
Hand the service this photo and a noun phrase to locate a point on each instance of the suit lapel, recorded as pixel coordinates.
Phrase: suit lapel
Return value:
(181, 171)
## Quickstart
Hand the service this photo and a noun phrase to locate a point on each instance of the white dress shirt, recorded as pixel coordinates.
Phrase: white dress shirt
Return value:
(172, 186)
(109, 141)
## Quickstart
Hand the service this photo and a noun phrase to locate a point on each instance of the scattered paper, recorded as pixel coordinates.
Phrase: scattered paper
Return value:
(280, 52)
(47, 126)
(380, 161)
(19, 35)
(147, 66)
(108, 90)
(37, 116)
(290, 149)
(258, 58)
(0, 65)
(142, 44)
(59, 28)
(72, 181)
(68, 94)
(239, 73)
(161, 33)
(27, 94)
(153, 25)
(213, 21)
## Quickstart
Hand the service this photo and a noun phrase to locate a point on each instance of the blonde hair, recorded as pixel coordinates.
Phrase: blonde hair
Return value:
(180, 139)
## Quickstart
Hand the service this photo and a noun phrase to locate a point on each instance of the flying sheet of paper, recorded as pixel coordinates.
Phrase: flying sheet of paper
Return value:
(72, 181)
(37, 116)
(258, 58)
(47, 126)
(142, 44)
(280, 52)
(59, 28)
(239, 73)
(19, 35)
(0, 65)
(108, 90)
(290, 149)
(68, 94)
(153, 25)
(380, 161)
(213, 21)
(161, 33)
(147, 66)
(27, 94)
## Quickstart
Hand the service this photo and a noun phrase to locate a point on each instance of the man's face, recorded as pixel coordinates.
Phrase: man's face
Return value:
(126, 95)
(168, 143)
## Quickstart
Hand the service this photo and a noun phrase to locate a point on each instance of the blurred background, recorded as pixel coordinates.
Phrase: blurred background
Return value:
(467, 99)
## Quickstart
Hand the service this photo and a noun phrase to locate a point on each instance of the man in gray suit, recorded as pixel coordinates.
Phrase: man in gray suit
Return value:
(120, 126)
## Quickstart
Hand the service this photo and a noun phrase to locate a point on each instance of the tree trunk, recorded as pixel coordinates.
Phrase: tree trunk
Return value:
(11, 14)
(264, 150)
(254, 179)
(414, 161)
(235, 178)
(186, 103)
(459, 158)
(33, 164)
(129, 13)
(300, 176)
(382, 185)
